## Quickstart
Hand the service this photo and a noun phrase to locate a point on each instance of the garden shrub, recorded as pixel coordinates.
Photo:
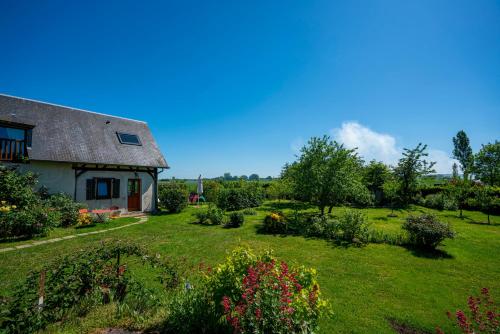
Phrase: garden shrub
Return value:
(426, 231)
(233, 199)
(275, 223)
(236, 219)
(75, 283)
(173, 196)
(483, 315)
(353, 225)
(440, 201)
(321, 226)
(249, 212)
(37, 220)
(68, 208)
(260, 294)
(212, 215)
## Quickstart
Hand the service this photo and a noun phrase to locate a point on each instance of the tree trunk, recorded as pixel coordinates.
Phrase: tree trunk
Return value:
(322, 208)
(488, 218)
(461, 216)
(330, 209)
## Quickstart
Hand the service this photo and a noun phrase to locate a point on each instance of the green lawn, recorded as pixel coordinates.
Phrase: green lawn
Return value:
(366, 285)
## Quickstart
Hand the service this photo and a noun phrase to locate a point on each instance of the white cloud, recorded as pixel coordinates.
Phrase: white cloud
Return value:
(370, 144)
(382, 146)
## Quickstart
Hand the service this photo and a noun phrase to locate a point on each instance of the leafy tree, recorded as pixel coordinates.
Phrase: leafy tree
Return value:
(374, 176)
(254, 177)
(463, 152)
(460, 191)
(487, 164)
(391, 189)
(410, 168)
(454, 171)
(325, 174)
(279, 189)
(243, 177)
(486, 199)
(227, 177)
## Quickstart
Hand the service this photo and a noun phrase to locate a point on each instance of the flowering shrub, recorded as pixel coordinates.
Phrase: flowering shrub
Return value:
(173, 196)
(275, 299)
(426, 231)
(67, 207)
(84, 219)
(484, 315)
(259, 295)
(249, 293)
(275, 223)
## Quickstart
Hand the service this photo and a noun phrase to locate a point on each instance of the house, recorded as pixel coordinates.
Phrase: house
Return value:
(101, 160)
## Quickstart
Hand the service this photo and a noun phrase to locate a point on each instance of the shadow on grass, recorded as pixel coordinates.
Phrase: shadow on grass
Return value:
(402, 327)
(381, 218)
(278, 206)
(427, 253)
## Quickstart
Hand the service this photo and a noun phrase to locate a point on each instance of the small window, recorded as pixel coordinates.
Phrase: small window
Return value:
(103, 189)
(129, 139)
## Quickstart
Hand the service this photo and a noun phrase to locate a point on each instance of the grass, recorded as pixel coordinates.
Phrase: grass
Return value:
(367, 285)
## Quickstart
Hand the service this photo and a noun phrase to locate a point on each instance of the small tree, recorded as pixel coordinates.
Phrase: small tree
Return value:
(325, 174)
(463, 152)
(486, 199)
(374, 176)
(487, 164)
(460, 191)
(410, 168)
(391, 188)
(454, 171)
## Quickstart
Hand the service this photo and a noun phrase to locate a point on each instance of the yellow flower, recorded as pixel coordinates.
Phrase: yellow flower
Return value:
(14, 207)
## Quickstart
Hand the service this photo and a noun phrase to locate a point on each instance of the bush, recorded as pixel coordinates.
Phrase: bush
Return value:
(213, 215)
(262, 295)
(37, 220)
(173, 196)
(236, 219)
(234, 199)
(483, 315)
(67, 207)
(426, 231)
(100, 278)
(353, 225)
(249, 212)
(275, 223)
(321, 227)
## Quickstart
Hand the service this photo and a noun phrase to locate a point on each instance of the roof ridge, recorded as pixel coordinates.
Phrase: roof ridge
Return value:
(71, 108)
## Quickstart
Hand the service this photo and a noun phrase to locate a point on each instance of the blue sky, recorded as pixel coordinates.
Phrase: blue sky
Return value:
(239, 86)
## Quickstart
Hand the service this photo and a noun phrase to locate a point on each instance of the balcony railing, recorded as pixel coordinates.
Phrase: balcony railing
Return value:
(12, 149)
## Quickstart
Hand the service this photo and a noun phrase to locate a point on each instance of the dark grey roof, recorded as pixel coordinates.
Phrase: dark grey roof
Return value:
(79, 136)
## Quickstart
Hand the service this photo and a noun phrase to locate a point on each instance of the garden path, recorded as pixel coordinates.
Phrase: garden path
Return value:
(48, 241)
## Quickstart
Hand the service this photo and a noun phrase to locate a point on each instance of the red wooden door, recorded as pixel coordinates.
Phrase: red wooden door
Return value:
(134, 194)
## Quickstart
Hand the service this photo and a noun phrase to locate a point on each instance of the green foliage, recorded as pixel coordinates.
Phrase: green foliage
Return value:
(487, 200)
(440, 201)
(236, 219)
(463, 152)
(173, 196)
(487, 164)
(68, 208)
(375, 174)
(75, 283)
(249, 212)
(279, 189)
(275, 223)
(321, 226)
(208, 307)
(17, 188)
(211, 190)
(391, 192)
(254, 177)
(410, 168)
(244, 195)
(325, 174)
(354, 226)
(212, 215)
(426, 231)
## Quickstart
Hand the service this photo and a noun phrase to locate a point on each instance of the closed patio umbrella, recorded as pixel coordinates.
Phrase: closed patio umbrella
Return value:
(199, 189)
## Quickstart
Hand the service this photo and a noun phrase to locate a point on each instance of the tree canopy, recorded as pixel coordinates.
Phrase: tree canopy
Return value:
(487, 164)
(463, 152)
